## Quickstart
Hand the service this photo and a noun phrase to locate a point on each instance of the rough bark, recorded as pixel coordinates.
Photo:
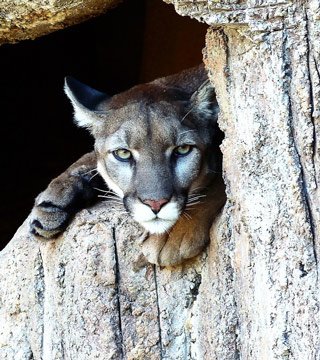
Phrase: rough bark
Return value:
(23, 19)
(254, 293)
(85, 295)
(263, 58)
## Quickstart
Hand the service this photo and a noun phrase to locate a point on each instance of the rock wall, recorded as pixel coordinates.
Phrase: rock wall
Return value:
(23, 19)
(255, 293)
(86, 295)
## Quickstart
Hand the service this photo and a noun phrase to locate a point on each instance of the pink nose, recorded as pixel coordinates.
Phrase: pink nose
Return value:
(155, 205)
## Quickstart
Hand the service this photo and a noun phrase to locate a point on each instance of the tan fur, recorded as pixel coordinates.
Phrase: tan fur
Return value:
(151, 121)
(190, 235)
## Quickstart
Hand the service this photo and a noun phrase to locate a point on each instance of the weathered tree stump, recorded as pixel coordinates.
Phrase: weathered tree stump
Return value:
(264, 58)
(255, 293)
(85, 295)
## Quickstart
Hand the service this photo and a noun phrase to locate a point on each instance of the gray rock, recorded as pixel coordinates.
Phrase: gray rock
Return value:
(86, 296)
(25, 19)
(255, 293)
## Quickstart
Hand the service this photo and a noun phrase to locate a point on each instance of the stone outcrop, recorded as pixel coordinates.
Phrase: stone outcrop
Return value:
(23, 19)
(255, 293)
(86, 295)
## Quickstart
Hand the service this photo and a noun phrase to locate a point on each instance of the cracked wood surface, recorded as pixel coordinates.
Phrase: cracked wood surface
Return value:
(255, 293)
(23, 19)
(265, 71)
(84, 295)
(263, 57)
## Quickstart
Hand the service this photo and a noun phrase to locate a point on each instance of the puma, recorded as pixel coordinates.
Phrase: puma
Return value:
(156, 149)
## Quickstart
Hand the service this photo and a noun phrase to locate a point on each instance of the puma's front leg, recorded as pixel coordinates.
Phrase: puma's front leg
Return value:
(191, 233)
(64, 196)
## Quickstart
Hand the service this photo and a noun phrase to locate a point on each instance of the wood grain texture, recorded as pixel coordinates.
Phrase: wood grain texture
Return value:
(254, 294)
(23, 19)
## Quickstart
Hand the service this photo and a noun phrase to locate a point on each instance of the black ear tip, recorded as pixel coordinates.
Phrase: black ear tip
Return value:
(83, 94)
(71, 82)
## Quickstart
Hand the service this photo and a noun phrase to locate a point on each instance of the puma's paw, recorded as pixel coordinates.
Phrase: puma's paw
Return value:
(174, 248)
(152, 246)
(48, 220)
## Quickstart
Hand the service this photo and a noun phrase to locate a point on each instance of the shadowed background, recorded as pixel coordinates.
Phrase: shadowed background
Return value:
(136, 42)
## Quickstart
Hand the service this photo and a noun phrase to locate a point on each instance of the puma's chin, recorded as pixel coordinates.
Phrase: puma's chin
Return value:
(156, 223)
(158, 226)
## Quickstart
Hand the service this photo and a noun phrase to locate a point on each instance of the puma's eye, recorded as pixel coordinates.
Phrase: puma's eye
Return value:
(182, 150)
(122, 154)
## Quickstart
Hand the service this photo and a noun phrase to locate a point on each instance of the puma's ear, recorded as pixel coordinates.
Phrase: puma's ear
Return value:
(85, 101)
(204, 103)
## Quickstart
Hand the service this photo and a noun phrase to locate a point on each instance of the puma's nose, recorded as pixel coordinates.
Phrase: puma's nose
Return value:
(156, 205)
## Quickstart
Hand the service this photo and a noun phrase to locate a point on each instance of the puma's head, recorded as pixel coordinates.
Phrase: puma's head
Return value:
(155, 144)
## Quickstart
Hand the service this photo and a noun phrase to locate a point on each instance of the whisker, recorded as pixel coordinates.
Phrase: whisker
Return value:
(197, 92)
(186, 131)
(186, 215)
(110, 197)
(118, 201)
(90, 171)
(193, 203)
(104, 191)
(113, 202)
(195, 199)
(197, 196)
(187, 114)
(197, 191)
(108, 192)
(94, 175)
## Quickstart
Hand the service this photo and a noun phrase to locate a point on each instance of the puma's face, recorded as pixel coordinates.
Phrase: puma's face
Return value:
(153, 145)
(152, 161)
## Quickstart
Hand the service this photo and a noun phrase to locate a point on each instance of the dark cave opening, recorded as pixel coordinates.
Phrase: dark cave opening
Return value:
(133, 43)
